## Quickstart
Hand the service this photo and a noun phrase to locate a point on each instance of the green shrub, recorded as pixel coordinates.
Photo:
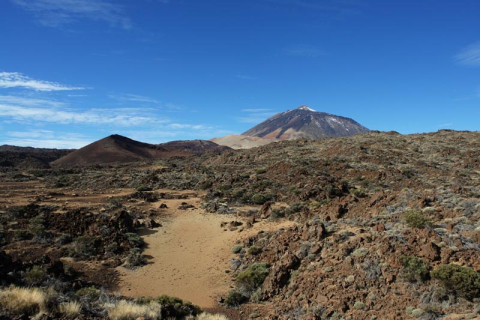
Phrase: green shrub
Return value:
(134, 239)
(260, 171)
(36, 275)
(143, 187)
(462, 280)
(134, 258)
(172, 307)
(89, 293)
(237, 249)
(37, 226)
(252, 278)
(414, 269)
(259, 199)
(254, 250)
(83, 246)
(21, 234)
(416, 219)
(234, 299)
(206, 185)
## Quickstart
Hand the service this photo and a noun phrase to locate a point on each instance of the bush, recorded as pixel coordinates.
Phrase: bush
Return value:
(37, 226)
(89, 293)
(83, 246)
(259, 199)
(416, 219)
(254, 250)
(234, 299)
(143, 188)
(414, 269)
(134, 239)
(237, 249)
(252, 278)
(462, 280)
(134, 259)
(172, 307)
(36, 275)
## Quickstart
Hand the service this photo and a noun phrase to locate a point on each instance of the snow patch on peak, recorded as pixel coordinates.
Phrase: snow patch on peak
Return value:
(304, 107)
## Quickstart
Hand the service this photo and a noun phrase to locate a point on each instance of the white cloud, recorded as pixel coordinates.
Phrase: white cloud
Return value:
(114, 117)
(31, 102)
(44, 134)
(56, 13)
(256, 110)
(49, 143)
(188, 126)
(256, 115)
(134, 98)
(16, 79)
(469, 56)
(443, 125)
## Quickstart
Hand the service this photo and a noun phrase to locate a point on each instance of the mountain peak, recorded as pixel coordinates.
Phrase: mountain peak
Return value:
(305, 122)
(306, 108)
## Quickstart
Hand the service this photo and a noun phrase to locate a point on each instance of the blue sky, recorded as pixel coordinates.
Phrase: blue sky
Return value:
(75, 71)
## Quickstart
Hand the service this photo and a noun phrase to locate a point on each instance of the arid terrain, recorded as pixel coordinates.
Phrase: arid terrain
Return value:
(373, 226)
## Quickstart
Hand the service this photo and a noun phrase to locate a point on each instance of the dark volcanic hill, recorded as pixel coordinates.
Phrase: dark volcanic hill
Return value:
(304, 122)
(194, 146)
(28, 157)
(117, 148)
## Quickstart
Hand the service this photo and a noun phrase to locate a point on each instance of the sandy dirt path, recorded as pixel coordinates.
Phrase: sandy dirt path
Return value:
(188, 256)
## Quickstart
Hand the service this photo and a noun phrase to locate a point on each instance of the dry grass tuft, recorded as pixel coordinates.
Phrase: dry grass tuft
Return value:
(207, 316)
(125, 310)
(28, 301)
(70, 309)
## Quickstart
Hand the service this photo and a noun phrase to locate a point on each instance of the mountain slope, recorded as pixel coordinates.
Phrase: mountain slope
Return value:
(28, 157)
(304, 122)
(235, 141)
(116, 148)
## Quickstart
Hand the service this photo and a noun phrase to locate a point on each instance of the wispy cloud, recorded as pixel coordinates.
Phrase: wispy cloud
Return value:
(306, 51)
(24, 110)
(134, 98)
(56, 13)
(45, 134)
(46, 139)
(30, 102)
(16, 79)
(65, 143)
(444, 125)
(256, 110)
(469, 56)
(256, 115)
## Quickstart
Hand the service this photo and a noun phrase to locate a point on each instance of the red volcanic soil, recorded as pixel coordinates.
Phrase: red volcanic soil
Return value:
(117, 148)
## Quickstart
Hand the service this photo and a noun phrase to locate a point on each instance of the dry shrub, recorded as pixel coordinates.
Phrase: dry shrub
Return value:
(70, 309)
(28, 301)
(208, 316)
(125, 310)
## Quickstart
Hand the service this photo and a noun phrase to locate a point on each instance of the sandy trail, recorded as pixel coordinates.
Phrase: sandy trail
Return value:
(188, 256)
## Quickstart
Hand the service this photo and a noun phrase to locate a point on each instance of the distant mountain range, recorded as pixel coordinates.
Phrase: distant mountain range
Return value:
(302, 122)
